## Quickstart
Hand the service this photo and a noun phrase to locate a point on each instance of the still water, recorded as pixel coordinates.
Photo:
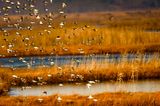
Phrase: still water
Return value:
(47, 61)
(82, 89)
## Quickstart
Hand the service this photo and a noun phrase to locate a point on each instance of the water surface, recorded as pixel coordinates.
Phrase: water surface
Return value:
(82, 89)
(47, 61)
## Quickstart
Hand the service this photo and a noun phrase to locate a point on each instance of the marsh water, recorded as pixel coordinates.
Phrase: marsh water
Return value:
(47, 61)
(82, 89)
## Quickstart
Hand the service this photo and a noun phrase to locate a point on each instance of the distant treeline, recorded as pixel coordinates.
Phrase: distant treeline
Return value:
(90, 5)
(103, 5)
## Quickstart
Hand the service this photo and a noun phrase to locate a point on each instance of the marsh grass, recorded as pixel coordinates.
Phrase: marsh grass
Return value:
(104, 40)
(85, 33)
(95, 34)
(136, 70)
(105, 99)
(4, 88)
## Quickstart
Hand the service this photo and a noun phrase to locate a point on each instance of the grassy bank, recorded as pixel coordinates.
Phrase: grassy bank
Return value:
(105, 99)
(124, 71)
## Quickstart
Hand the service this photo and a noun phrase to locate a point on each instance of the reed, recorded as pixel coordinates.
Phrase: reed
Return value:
(105, 40)
(4, 88)
(105, 99)
(136, 70)
(127, 32)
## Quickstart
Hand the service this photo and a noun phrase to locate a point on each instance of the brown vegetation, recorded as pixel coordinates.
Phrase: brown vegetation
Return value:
(68, 74)
(117, 32)
(105, 99)
(94, 33)
(4, 88)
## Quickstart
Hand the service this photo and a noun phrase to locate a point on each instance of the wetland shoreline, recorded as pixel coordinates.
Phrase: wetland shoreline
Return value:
(104, 99)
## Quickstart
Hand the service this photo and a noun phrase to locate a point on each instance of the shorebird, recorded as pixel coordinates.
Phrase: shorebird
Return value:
(40, 100)
(45, 92)
(14, 76)
(89, 87)
(64, 5)
(59, 99)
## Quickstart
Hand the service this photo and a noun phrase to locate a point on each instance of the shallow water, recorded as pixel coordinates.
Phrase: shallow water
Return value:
(82, 89)
(47, 61)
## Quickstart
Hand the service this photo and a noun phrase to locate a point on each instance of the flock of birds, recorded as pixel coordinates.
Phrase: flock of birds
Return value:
(59, 98)
(20, 9)
(29, 16)
(29, 6)
(44, 92)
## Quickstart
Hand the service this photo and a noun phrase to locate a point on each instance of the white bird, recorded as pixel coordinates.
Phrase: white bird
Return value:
(10, 45)
(36, 48)
(2, 46)
(61, 24)
(59, 68)
(14, 76)
(89, 85)
(59, 98)
(7, 1)
(40, 99)
(90, 97)
(40, 22)
(60, 85)
(18, 3)
(38, 17)
(64, 5)
(35, 11)
(61, 12)
(24, 61)
(49, 75)
(34, 81)
(27, 39)
(91, 82)
(9, 50)
(51, 63)
(95, 100)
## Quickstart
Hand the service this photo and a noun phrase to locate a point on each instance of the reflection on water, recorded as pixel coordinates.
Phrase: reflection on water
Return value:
(48, 61)
(81, 89)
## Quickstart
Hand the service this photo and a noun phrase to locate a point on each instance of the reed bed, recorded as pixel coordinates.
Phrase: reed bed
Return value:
(105, 99)
(104, 40)
(127, 71)
(127, 32)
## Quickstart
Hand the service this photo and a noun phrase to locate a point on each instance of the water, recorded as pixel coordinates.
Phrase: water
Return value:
(48, 61)
(81, 89)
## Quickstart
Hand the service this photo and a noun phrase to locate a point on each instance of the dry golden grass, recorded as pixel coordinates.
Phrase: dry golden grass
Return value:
(136, 70)
(104, 40)
(105, 99)
(93, 32)
(4, 87)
